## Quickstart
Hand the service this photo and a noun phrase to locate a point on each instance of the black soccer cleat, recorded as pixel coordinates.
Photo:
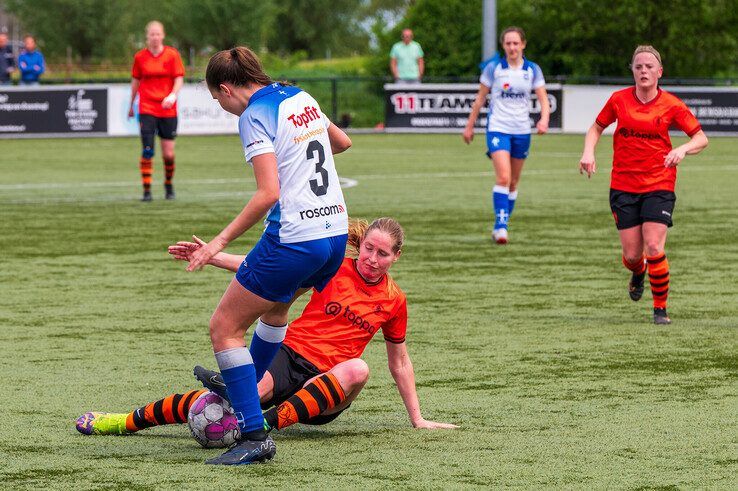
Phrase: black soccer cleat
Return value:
(635, 287)
(211, 380)
(169, 191)
(247, 452)
(146, 196)
(660, 317)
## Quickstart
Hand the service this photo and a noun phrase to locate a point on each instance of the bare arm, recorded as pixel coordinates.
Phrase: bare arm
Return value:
(402, 372)
(267, 193)
(135, 83)
(587, 162)
(542, 124)
(393, 67)
(169, 100)
(421, 67)
(468, 134)
(695, 145)
(183, 251)
(340, 142)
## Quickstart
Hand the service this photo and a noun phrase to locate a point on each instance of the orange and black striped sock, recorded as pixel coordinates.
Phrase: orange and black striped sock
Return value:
(638, 267)
(168, 171)
(172, 409)
(146, 170)
(658, 275)
(321, 394)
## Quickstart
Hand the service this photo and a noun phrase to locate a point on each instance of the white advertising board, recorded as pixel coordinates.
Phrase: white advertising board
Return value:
(198, 113)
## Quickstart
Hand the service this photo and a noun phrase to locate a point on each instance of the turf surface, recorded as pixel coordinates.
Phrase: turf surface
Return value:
(556, 378)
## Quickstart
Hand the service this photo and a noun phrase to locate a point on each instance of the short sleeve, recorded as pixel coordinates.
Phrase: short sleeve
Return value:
(254, 135)
(538, 80)
(136, 70)
(395, 329)
(393, 51)
(420, 50)
(685, 120)
(607, 115)
(178, 69)
(487, 78)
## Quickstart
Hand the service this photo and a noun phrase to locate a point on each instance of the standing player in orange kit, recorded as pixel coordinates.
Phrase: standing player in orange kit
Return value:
(157, 77)
(644, 171)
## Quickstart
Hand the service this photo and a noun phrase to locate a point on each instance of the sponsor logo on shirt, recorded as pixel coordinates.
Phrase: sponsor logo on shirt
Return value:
(510, 94)
(631, 133)
(254, 143)
(304, 118)
(308, 135)
(324, 211)
(335, 309)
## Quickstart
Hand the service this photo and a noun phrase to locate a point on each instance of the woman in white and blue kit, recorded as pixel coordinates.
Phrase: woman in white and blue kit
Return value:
(510, 81)
(290, 144)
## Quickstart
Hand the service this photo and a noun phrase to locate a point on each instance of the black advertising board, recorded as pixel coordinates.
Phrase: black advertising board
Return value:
(41, 111)
(715, 108)
(446, 107)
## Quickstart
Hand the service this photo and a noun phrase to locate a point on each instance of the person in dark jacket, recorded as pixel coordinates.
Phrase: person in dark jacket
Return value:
(7, 60)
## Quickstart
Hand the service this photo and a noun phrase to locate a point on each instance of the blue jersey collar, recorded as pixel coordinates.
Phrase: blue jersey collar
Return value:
(265, 91)
(504, 64)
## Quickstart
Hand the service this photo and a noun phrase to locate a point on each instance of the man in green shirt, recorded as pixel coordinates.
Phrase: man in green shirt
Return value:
(406, 59)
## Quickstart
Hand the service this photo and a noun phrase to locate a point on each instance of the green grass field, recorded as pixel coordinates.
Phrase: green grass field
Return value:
(557, 379)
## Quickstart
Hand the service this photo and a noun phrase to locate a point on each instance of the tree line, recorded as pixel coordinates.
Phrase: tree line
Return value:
(697, 38)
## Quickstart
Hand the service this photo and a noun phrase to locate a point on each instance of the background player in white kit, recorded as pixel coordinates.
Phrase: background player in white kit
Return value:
(510, 80)
(290, 145)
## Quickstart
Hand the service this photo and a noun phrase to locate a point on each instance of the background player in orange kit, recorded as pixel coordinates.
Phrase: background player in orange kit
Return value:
(318, 371)
(644, 171)
(158, 75)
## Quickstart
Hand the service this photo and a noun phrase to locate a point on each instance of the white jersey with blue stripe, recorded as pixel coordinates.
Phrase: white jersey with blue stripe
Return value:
(288, 122)
(510, 88)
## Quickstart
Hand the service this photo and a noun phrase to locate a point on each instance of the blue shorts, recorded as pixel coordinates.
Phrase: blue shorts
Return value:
(517, 145)
(275, 271)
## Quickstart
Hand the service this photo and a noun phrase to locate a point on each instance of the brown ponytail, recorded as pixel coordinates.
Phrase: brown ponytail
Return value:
(238, 66)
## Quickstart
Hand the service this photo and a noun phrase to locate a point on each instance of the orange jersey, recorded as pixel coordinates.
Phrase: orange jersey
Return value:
(156, 75)
(339, 322)
(641, 139)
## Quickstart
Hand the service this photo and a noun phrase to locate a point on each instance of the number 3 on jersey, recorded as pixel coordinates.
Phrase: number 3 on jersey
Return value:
(316, 152)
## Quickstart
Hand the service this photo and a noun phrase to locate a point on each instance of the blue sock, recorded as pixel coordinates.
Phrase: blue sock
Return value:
(501, 202)
(264, 345)
(238, 372)
(511, 200)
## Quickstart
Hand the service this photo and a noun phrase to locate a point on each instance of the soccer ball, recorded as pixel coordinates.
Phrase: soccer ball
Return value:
(212, 421)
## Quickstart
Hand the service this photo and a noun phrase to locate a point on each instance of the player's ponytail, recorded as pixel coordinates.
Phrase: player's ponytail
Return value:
(356, 232)
(238, 66)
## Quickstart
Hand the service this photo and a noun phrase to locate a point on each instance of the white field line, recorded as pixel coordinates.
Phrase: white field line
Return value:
(345, 183)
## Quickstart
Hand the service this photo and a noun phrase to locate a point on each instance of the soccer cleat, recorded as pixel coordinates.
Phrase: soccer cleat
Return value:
(211, 380)
(500, 235)
(93, 423)
(146, 196)
(635, 287)
(247, 452)
(169, 191)
(660, 317)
